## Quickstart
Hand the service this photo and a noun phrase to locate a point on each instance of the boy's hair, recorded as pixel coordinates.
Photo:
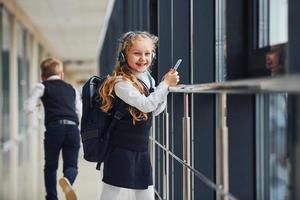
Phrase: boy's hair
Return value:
(51, 66)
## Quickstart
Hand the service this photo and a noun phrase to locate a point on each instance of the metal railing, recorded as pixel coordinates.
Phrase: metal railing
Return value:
(288, 84)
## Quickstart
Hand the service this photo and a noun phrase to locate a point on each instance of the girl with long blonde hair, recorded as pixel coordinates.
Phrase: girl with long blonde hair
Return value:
(128, 162)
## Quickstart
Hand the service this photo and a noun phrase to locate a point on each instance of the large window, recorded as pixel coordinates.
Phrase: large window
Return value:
(4, 100)
(4, 103)
(271, 47)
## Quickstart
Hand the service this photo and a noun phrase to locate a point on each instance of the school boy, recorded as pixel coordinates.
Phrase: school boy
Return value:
(62, 107)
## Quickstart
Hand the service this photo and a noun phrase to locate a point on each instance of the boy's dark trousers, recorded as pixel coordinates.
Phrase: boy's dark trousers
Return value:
(58, 137)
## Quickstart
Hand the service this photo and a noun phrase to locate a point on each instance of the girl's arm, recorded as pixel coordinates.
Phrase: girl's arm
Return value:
(160, 107)
(130, 95)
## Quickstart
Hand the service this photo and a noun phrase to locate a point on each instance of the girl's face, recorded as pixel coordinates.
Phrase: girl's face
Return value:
(139, 55)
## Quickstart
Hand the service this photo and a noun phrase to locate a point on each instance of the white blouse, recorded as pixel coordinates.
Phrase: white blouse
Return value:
(155, 102)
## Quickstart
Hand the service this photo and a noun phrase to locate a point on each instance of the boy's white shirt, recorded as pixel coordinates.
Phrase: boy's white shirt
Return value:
(38, 91)
(155, 102)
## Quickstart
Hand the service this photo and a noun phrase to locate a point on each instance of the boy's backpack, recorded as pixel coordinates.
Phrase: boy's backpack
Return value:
(96, 125)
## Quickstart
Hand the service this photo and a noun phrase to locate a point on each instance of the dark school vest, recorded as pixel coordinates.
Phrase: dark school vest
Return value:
(59, 101)
(132, 136)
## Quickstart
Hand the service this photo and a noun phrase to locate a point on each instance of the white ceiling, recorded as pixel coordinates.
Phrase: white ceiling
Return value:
(72, 27)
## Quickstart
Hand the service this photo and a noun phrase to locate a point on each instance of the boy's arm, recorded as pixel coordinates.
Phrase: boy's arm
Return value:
(33, 101)
(78, 104)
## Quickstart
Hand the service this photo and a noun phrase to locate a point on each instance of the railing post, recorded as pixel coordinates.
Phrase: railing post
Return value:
(152, 149)
(186, 149)
(166, 157)
(222, 166)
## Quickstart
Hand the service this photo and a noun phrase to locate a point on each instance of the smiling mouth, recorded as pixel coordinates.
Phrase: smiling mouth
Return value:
(141, 64)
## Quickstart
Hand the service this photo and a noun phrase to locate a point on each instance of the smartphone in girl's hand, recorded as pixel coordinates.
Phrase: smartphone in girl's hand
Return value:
(177, 64)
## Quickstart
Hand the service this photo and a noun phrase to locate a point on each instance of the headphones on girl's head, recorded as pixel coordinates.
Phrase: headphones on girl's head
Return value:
(122, 55)
(121, 58)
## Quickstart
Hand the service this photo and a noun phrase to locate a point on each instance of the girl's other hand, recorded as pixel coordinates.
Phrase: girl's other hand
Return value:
(171, 78)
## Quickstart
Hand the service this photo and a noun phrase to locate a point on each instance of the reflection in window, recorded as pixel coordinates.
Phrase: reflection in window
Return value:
(279, 164)
(273, 33)
(4, 90)
(275, 59)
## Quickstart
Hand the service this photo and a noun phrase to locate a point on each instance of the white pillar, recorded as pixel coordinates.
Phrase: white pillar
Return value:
(13, 109)
(33, 126)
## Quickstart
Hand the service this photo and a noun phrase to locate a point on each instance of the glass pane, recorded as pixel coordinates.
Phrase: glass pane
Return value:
(278, 21)
(273, 34)
(272, 22)
(4, 107)
(263, 22)
(279, 162)
(278, 36)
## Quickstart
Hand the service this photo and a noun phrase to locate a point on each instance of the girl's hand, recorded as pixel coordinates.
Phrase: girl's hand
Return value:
(171, 78)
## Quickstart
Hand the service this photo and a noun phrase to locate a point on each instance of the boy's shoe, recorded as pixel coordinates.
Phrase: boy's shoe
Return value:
(67, 189)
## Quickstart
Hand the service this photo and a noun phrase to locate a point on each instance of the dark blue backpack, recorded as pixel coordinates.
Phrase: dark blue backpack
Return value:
(96, 125)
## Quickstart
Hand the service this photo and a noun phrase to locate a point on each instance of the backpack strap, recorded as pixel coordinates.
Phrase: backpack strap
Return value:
(118, 115)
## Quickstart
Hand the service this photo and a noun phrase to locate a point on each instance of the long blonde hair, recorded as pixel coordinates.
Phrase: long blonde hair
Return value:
(122, 69)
